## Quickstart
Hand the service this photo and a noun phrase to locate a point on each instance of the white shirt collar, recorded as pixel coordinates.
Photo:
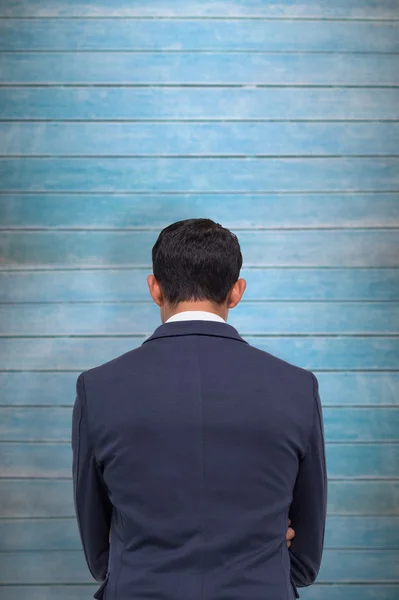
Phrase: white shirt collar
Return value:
(195, 315)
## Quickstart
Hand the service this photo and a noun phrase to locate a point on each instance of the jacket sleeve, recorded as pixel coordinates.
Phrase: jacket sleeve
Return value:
(309, 504)
(92, 505)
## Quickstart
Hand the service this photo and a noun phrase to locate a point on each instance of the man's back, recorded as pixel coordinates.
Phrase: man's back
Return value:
(189, 448)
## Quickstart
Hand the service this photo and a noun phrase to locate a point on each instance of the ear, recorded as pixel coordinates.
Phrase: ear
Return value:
(236, 293)
(155, 290)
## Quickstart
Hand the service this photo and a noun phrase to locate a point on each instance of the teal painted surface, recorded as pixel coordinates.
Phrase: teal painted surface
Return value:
(346, 9)
(154, 211)
(237, 175)
(186, 35)
(279, 120)
(198, 139)
(199, 103)
(191, 68)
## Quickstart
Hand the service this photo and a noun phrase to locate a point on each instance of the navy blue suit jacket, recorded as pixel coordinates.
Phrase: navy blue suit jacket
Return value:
(191, 452)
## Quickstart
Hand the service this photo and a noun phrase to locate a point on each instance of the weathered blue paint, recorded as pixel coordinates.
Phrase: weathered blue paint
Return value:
(340, 9)
(279, 120)
(198, 103)
(199, 139)
(192, 68)
(186, 35)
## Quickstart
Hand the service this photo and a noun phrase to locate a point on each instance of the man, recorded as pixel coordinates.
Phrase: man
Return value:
(193, 452)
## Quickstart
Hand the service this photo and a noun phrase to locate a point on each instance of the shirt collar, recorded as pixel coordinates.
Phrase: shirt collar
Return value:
(195, 315)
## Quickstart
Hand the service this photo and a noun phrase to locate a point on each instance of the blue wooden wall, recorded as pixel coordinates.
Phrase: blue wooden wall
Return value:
(278, 119)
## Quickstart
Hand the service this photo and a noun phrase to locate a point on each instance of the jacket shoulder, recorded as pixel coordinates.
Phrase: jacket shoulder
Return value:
(111, 366)
(282, 367)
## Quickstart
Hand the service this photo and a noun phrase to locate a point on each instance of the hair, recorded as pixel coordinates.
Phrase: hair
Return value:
(196, 259)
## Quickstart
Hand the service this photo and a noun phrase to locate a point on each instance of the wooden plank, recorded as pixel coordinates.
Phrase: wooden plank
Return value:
(63, 592)
(315, 592)
(45, 498)
(199, 175)
(53, 424)
(320, 352)
(53, 498)
(367, 498)
(44, 567)
(199, 103)
(35, 535)
(193, 68)
(339, 9)
(69, 567)
(203, 35)
(199, 139)
(153, 211)
(344, 460)
(56, 388)
(359, 565)
(113, 285)
(339, 592)
(62, 534)
(251, 318)
(296, 248)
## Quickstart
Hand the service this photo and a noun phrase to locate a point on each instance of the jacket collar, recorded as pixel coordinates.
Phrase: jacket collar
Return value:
(196, 327)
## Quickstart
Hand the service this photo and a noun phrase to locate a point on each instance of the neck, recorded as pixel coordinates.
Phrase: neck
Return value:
(199, 305)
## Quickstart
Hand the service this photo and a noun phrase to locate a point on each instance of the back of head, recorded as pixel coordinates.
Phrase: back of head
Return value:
(196, 260)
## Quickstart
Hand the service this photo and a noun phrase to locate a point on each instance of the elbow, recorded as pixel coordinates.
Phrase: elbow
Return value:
(308, 578)
(98, 566)
(304, 572)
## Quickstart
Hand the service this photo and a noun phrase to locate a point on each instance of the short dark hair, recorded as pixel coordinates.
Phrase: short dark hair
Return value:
(196, 259)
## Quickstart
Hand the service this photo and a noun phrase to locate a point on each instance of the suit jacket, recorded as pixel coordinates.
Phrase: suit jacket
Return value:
(191, 452)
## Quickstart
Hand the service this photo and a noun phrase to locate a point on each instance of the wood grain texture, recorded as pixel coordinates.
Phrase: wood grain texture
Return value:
(191, 68)
(312, 87)
(251, 318)
(155, 211)
(199, 139)
(36, 535)
(69, 566)
(344, 460)
(199, 175)
(348, 592)
(53, 498)
(345, 389)
(53, 424)
(297, 248)
(199, 35)
(130, 284)
(84, 592)
(200, 103)
(321, 352)
(340, 9)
